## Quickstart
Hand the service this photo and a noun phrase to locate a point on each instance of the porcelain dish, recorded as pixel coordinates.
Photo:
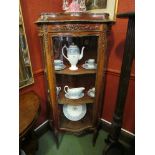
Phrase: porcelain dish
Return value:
(86, 66)
(74, 112)
(60, 67)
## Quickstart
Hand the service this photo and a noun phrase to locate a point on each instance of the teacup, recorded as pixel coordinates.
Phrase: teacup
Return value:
(74, 92)
(90, 63)
(58, 90)
(91, 92)
(93, 89)
(58, 62)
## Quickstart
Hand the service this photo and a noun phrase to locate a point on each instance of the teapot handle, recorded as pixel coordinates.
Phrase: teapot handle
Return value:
(65, 89)
(63, 51)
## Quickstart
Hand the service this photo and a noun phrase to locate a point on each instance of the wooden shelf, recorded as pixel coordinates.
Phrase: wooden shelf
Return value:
(76, 126)
(80, 71)
(85, 99)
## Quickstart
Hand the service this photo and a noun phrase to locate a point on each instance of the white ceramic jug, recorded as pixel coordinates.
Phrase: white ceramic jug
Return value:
(73, 55)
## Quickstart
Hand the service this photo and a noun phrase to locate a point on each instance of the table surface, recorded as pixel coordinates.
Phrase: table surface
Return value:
(29, 109)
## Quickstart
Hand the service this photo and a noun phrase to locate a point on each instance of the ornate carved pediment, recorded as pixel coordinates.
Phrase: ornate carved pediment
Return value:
(75, 27)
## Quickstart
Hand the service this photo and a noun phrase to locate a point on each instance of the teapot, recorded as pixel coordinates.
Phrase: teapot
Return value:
(73, 55)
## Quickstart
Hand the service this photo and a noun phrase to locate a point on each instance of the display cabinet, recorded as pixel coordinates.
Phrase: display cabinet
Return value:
(74, 54)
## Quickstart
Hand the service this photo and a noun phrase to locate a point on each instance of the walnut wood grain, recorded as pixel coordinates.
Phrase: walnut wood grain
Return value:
(29, 108)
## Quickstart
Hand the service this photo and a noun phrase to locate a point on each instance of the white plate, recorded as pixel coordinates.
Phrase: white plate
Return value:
(59, 67)
(74, 112)
(86, 66)
(73, 97)
(91, 93)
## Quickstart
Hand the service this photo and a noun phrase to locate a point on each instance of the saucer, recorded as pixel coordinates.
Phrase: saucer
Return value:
(74, 112)
(60, 67)
(74, 97)
(91, 93)
(86, 66)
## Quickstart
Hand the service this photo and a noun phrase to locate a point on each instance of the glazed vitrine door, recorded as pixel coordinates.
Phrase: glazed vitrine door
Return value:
(78, 73)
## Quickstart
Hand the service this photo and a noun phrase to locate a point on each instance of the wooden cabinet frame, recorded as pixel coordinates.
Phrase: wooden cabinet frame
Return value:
(51, 25)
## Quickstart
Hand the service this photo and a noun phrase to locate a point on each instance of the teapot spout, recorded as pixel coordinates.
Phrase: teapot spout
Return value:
(81, 55)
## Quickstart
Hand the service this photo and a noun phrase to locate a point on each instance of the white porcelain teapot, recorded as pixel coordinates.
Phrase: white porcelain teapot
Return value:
(73, 55)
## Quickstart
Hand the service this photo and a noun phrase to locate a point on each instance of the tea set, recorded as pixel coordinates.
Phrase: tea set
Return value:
(75, 93)
(76, 112)
(73, 56)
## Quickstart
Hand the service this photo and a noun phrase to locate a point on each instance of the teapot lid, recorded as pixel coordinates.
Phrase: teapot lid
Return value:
(73, 45)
